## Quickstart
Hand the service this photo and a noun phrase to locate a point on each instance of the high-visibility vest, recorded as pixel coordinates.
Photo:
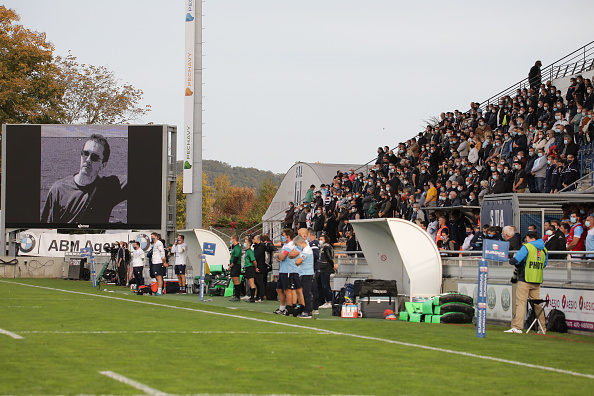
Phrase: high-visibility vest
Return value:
(534, 264)
(438, 238)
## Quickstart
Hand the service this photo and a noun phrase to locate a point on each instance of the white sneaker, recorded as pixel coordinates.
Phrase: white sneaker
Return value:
(245, 297)
(513, 330)
(326, 305)
(315, 312)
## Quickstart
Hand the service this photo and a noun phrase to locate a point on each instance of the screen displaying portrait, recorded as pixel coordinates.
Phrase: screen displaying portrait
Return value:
(83, 176)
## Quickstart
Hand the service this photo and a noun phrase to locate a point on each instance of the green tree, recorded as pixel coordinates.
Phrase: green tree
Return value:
(180, 209)
(30, 91)
(93, 95)
(266, 193)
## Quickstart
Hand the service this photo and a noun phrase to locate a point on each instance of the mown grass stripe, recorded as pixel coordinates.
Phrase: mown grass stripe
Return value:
(402, 343)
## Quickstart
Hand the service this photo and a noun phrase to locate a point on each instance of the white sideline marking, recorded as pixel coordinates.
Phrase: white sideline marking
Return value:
(11, 334)
(142, 387)
(171, 332)
(408, 344)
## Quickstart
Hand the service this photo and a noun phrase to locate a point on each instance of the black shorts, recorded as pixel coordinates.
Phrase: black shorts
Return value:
(235, 271)
(157, 270)
(180, 269)
(250, 272)
(288, 282)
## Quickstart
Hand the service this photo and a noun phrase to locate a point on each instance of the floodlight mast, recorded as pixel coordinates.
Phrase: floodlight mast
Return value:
(194, 198)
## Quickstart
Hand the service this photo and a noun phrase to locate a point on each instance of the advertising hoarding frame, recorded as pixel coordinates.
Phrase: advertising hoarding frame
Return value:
(168, 180)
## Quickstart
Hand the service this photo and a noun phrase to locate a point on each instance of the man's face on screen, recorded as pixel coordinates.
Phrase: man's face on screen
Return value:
(91, 159)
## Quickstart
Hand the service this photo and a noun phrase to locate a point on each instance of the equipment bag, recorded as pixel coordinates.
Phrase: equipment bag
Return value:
(271, 294)
(375, 287)
(556, 321)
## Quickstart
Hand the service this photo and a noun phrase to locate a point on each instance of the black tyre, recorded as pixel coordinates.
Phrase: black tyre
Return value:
(455, 307)
(452, 298)
(455, 317)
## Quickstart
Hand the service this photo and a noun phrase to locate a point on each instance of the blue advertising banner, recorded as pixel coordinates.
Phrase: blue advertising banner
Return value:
(481, 312)
(86, 252)
(495, 250)
(209, 248)
(499, 213)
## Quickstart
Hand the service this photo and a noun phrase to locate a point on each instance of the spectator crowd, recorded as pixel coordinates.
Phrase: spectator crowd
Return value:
(526, 143)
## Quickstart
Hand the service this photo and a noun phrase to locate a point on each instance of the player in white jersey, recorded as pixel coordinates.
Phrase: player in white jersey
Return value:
(180, 249)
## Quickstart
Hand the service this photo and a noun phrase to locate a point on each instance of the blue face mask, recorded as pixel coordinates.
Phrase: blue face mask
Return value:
(284, 239)
(573, 220)
(245, 245)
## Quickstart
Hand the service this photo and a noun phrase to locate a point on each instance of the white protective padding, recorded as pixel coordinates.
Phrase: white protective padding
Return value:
(195, 240)
(396, 249)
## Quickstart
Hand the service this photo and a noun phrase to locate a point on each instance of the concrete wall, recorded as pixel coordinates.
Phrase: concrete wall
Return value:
(33, 267)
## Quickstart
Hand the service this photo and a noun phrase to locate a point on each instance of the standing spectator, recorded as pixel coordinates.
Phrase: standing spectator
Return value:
(589, 224)
(570, 174)
(539, 171)
(261, 270)
(289, 215)
(534, 76)
(309, 194)
(327, 267)
(520, 181)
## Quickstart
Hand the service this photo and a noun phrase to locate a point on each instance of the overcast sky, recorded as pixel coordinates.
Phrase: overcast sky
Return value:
(314, 80)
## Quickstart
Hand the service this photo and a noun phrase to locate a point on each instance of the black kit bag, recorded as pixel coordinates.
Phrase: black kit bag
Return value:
(375, 287)
(271, 291)
(556, 321)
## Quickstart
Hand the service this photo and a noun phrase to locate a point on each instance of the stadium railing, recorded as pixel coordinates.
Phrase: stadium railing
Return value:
(579, 61)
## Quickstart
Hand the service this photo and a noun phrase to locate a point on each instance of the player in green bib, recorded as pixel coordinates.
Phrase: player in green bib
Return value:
(530, 261)
(249, 268)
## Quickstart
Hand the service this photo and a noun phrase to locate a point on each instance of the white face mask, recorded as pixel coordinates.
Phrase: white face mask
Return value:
(549, 232)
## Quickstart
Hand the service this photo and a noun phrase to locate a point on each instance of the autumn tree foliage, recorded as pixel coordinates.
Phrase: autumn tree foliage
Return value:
(93, 95)
(30, 91)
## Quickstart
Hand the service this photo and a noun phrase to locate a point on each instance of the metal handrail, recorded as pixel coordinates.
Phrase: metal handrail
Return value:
(578, 181)
(212, 229)
(583, 56)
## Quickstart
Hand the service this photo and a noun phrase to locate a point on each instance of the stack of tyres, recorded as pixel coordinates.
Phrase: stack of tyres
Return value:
(445, 308)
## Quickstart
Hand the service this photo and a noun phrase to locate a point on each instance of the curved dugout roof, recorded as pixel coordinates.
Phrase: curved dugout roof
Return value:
(396, 249)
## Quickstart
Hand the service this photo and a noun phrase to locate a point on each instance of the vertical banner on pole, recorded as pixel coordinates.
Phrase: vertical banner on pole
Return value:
(492, 250)
(190, 60)
(481, 313)
(93, 274)
(202, 273)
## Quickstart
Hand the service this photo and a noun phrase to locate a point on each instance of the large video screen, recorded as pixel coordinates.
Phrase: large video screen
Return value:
(83, 176)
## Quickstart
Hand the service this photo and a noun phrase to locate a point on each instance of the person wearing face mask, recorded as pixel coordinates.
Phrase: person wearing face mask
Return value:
(569, 147)
(318, 221)
(570, 174)
(539, 172)
(577, 237)
(235, 267)
(589, 224)
(469, 237)
(138, 257)
(556, 240)
(520, 180)
(589, 102)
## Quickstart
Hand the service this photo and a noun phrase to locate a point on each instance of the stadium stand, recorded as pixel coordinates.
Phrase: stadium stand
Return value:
(530, 138)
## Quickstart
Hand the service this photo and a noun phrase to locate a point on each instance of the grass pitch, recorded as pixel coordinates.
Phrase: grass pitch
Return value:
(72, 333)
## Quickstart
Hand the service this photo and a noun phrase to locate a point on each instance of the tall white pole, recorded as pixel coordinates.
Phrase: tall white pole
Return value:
(193, 115)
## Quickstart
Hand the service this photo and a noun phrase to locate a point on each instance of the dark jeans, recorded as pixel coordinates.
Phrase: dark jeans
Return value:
(307, 285)
(326, 289)
(138, 276)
